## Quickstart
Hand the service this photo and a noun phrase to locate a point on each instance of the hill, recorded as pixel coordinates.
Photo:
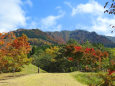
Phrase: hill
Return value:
(82, 36)
(27, 69)
(38, 37)
(111, 38)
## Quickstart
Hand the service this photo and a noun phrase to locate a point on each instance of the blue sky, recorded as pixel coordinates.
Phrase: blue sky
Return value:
(55, 15)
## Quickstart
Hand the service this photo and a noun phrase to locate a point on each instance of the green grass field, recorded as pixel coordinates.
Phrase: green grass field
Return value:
(29, 77)
(28, 69)
(42, 79)
(87, 78)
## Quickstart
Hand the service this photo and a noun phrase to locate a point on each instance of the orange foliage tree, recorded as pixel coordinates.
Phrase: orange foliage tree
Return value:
(13, 52)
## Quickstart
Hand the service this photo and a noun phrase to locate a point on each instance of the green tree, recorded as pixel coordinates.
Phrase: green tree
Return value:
(73, 41)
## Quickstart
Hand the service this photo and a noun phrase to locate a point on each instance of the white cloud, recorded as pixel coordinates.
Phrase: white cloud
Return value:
(58, 28)
(102, 25)
(99, 21)
(50, 22)
(11, 15)
(92, 7)
(32, 25)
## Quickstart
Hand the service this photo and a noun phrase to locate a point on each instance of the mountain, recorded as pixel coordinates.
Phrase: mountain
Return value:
(38, 37)
(82, 36)
(63, 35)
(111, 38)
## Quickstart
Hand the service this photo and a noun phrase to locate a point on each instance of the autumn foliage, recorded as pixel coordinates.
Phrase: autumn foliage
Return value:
(13, 52)
(89, 58)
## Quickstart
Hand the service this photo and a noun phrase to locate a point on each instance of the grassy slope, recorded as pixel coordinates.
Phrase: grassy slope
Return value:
(28, 69)
(86, 78)
(48, 79)
(42, 79)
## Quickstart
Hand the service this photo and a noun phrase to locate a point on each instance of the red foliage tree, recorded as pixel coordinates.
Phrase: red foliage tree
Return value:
(85, 56)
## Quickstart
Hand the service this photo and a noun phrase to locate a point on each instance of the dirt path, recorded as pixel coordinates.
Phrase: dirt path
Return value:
(43, 79)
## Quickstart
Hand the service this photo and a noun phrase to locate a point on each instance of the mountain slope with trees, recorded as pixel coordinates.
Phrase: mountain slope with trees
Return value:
(82, 36)
(38, 37)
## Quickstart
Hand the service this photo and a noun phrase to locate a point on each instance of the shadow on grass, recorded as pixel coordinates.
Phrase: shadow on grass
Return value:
(11, 77)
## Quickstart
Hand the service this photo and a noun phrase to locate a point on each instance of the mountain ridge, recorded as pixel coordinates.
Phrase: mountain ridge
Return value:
(61, 37)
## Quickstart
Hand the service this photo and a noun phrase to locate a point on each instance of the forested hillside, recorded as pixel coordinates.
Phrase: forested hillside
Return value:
(82, 36)
(38, 37)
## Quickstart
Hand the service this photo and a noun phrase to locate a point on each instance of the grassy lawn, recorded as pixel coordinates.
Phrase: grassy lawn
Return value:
(32, 78)
(87, 78)
(42, 79)
(28, 69)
